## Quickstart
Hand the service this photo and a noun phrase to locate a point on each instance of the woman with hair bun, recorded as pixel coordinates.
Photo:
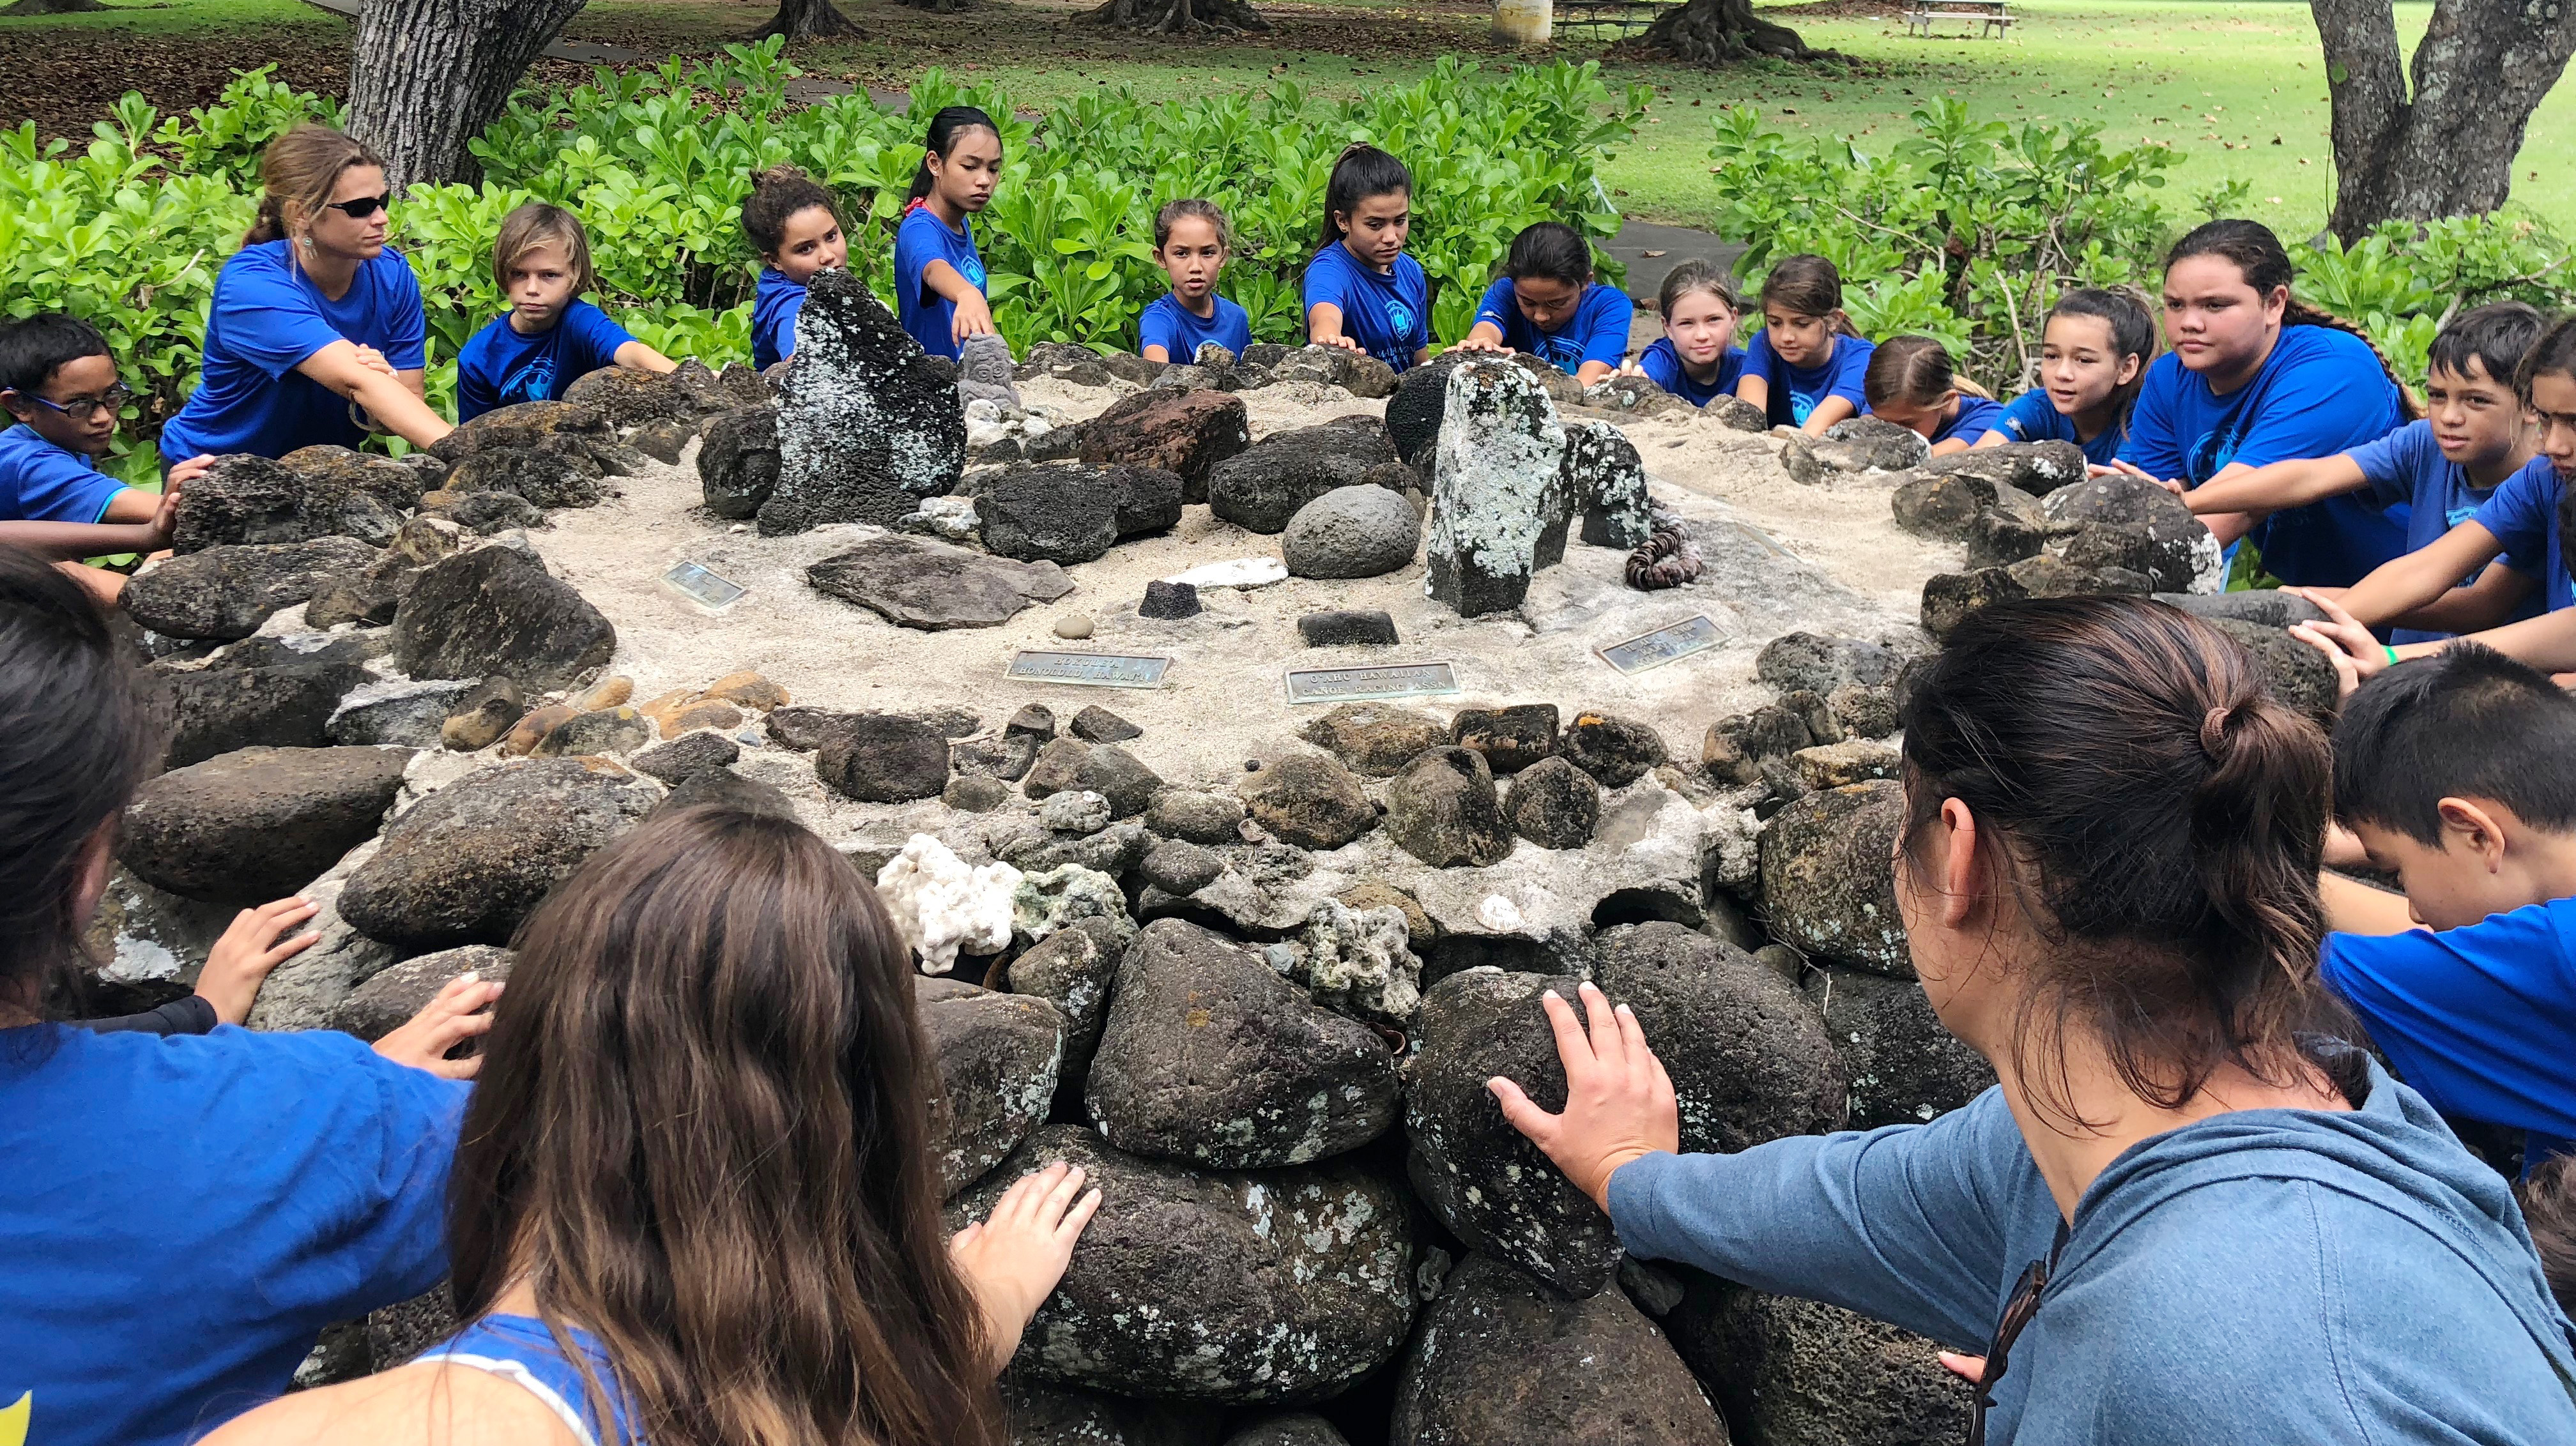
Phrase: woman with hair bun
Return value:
(2183, 1214)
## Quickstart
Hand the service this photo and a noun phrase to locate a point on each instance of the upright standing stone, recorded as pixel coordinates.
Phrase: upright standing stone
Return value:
(1495, 484)
(867, 423)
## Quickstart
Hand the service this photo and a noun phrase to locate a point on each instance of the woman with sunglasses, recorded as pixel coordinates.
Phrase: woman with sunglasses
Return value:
(2184, 1214)
(316, 333)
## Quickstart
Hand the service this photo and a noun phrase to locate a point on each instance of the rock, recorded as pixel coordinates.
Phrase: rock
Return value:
(1283, 1286)
(1072, 970)
(468, 863)
(941, 906)
(1421, 399)
(1948, 598)
(914, 582)
(1803, 1373)
(1503, 1361)
(1199, 818)
(688, 755)
(226, 592)
(1748, 1055)
(1905, 1067)
(1046, 1416)
(883, 758)
(1051, 900)
(1034, 720)
(1056, 512)
(342, 470)
(975, 793)
(388, 1001)
(984, 371)
(1617, 751)
(1828, 880)
(997, 1056)
(1487, 1183)
(396, 711)
(738, 461)
(1263, 489)
(1210, 1058)
(1361, 531)
(288, 705)
(1498, 503)
(1308, 800)
(663, 440)
(1074, 812)
(609, 730)
(257, 824)
(2264, 607)
(1099, 725)
(628, 396)
(1604, 480)
(1301, 1429)
(801, 728)
(1184, 432)
(1169, 600)
(1941, 506)
(497, 610)
(485, 513)
(1866, 443)
(2180, 553)
(724, 788)
(1073, 625)
(1357, 958)
(2293, 672)
(1863, 711)
(1006, 759)
(1442, 810)
(1177, 867)
(558, 472)
(2038, 468)
(1352, 628)
(478, 717)
(2053, 576)
(246, 499)
(1821, 664)
(867, 425)
(1854, 760)
(1553, 804)
(1511, 738)
(533, 726)
(1376, 739)
(520, 428)
(1105, 769)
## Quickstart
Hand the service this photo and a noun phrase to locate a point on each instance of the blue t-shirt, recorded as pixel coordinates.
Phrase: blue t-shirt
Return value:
(268, 318)
(2481, 1020)
(1388, 314)
(2523, 514)
(1662, 364)
(1798, 391)
(1179, 331)
(920, 240)
(501, 368)
(2320, 392)
(40, 482)
(1596, 332)
(522, 1350)
(2407, 466)
(1975, 417)
(2032, 417)
(183, 1214)
(773, 318)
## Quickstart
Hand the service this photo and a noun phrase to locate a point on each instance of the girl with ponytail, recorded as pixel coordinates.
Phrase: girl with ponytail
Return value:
(2256, 376)
(2093, 355)
(939, 275)
(2182, 1214)
(1362, 292)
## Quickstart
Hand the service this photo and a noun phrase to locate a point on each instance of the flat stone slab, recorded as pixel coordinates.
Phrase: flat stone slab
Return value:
(914, 582)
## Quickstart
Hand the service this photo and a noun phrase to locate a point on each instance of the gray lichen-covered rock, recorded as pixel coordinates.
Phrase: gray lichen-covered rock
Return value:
(284, 705)
(226, 592)
(1210, 1058)
(2180, 555)
(1184, 432)
(387, 1001)
(1497, 493)
(1605, 482)
(1828, 880)
(914, 582)
(1820, 664)
(1039, 1415)
(1355, 372)
(984, 370)
(497, 610)
(1442, 809)
(867, 424)
(2037, 468)
(1803, 1373)
(997, 1056)
(1375, 739)
(1504, 1361)
(738, 461)
(1072, 969)
(397, 711)
(468, 863)
(1269, 1286)
(257, 824)
(1362, 531)
(1748, 1054)
(1308, 800)
(1905, 1067)
(601, 731)
(1052, 900)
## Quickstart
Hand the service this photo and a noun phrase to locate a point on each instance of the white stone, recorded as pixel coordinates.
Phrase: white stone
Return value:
(941, 906)
(1499, 914)
(1242, 572)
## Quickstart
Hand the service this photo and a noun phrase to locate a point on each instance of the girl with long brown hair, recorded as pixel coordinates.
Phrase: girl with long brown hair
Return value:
(695, 1204)
(2183, 1215)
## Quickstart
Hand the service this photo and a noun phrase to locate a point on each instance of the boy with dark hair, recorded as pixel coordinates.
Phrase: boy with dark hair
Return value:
(2442, 469)
(2458, 774)
(59, 383)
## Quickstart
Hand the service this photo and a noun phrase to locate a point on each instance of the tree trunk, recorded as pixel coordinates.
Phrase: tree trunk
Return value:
(2448, 150)
(1173, 17)
(429, 75)
(1714, 32)
(808, 20)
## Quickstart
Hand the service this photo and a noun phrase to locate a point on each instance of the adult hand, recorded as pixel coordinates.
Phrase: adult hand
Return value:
(972, 317)
(454, 1015)
(1013, 1257)
(241, 959)
(2348, 646)
(1618, 1101)
(373, 359)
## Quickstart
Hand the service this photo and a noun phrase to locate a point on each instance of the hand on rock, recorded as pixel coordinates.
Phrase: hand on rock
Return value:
(2357, 656)
(242, 958)
(456, 1014)
(1013, 1257)
(1619, 1103)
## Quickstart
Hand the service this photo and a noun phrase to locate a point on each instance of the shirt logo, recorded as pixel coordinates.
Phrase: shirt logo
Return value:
(1399, 317)
(973, 270)
(534, 380)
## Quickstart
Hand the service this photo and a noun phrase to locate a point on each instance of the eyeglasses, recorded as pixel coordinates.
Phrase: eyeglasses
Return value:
(359, 208)
(2017, 1313)
(81, 409)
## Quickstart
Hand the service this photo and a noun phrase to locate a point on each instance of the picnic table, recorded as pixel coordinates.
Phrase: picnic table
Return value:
(1990, 16)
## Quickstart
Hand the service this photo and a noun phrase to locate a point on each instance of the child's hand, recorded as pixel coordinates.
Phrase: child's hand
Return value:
(241, 959)
(973, 318)
(1477, 342)
(1013, 1258)
(182, 473)
(2356, 655)
(1340, 339)
(1629, 368)
(1619, 1103)
(374, 360)
(457, 1013)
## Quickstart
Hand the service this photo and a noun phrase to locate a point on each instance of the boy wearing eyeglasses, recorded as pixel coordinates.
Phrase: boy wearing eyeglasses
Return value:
(60, 387)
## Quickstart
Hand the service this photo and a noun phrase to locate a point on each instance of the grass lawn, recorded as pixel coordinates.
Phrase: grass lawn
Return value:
(180, 17)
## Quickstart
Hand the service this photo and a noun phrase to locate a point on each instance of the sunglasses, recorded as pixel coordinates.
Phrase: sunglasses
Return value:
(359, 208)
(81, 409)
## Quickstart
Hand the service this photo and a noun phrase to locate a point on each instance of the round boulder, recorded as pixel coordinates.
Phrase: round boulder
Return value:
(1442, 810)
(883, 758)
(259, 823)
(1748, 1055)
(1828, 877)
(1617, 751)
(1553, 804)
(997, 1056)
(1351, 532)
(1905, 1067)
(1308, 800)
(1803, 1373)
(1376, 739)
(388, 1001)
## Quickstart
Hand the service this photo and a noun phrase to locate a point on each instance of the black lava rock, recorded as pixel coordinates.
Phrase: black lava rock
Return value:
(1346, 628)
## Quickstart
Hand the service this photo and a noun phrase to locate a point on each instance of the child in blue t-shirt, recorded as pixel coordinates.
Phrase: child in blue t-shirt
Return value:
(938, 274)
(1546, 304)
(550, 337)
(1696, 359)
(2093, 353)
(795, 226)
(2458, 774)
(1191, 240)
(1910, 382)
(1805, 367)
(1361, 291)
